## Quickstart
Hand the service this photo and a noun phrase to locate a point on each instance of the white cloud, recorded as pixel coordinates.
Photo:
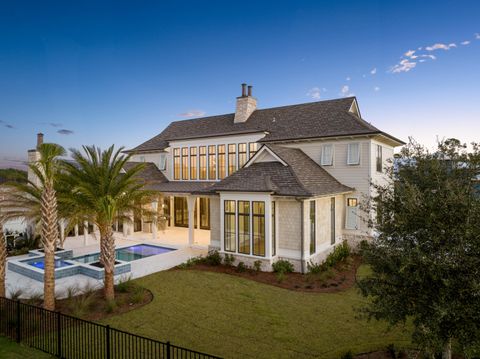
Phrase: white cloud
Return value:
(348, 79)
(410, 53)
(404, 65)
(477, 36)
(373, 71)
(466, 42)
(422, 60)
(192, 113)
(376, 89)
(440, 46)
(315, 93)
(432, 57)
(345, 91)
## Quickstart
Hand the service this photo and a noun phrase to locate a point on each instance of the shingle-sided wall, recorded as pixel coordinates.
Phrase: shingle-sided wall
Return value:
(289, 225)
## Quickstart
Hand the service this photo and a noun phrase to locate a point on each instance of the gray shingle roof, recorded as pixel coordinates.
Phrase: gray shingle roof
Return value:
(309, 120)
(150, 172)
(301, 177)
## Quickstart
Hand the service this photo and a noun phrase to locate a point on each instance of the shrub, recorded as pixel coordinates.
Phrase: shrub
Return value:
(316, 268)
(213, 258)
(35, 298)
(138, 295)
(339, 254)
(110, 306)
(348, 355)
(282, 266)
(191, 262)
(71, 291)
(81, 305)
(16, 294)
(125, 285)
(228, 259)
(257, 265)
(241, 267)
(280, 277)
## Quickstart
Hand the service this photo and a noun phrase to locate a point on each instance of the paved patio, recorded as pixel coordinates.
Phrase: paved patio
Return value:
(172, 237)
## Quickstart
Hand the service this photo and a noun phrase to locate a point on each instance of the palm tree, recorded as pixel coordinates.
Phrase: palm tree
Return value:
(39, 205)
(3, 261)
(100, 190)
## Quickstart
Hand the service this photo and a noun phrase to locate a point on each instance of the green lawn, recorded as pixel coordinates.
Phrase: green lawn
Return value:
(12, 350)
(235, 317)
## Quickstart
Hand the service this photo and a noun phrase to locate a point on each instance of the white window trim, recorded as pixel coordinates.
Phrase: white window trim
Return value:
(349, 160)
(332, 155)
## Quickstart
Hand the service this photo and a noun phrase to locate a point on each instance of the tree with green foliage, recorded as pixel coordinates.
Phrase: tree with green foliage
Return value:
(99, 188)
(425, 257)
(38, 204)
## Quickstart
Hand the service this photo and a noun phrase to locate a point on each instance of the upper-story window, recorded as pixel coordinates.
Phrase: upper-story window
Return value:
(203, 162)
(379, 158)
(176, 163)
(242, 154)
(162, 163)
(253, 148)
(193, 163)
(221, 161)
(185, 163)
(212, 162)
(232, 158)
(327, 155)
(353, 155)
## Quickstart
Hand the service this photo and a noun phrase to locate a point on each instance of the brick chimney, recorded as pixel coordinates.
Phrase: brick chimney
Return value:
(246, 104)
(39, 139)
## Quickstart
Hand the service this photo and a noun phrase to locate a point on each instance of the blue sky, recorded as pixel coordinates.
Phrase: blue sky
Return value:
(103, 72)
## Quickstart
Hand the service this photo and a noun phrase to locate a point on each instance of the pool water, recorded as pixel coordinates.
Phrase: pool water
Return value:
(128, 254)
(40, 263)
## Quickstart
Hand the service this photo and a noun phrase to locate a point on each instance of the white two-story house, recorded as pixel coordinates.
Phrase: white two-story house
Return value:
(266, 184)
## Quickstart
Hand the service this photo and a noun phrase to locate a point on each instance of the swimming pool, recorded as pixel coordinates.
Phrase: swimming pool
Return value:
(128, 254)
(40, 263)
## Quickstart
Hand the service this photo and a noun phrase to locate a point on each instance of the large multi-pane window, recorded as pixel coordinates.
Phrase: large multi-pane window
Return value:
(232, 158)
(185, 163)
(229, 226)
(202, 155)
(274, 231)
(176, 163)
(244, 227)
(193, 163)
(312, 227)
(253, 148)
(242, 154)
(258, 228)
(221, 161)
(212, 162)
(379, 158)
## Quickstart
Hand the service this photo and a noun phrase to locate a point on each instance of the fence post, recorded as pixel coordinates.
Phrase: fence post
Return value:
(18, 322)
(107, 341)
(59, 335)
(168, 350)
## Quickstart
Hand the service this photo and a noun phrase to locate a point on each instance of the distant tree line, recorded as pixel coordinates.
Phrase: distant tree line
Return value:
(12, 175)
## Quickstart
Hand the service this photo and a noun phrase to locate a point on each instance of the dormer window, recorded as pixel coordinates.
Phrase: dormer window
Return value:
(353, 155)
(162, 163)
(327, 155)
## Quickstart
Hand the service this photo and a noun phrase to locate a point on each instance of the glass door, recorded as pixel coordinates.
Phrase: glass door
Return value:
(204, 213)
(181, 212)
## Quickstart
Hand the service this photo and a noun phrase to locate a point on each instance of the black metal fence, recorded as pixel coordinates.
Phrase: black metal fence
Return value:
(68, 337)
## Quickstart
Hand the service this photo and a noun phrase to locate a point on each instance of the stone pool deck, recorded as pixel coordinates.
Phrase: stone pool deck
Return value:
(139, 268)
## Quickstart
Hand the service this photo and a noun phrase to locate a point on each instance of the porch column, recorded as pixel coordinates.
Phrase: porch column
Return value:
(198, 212)
(172, 211)
(76, 230)
(191, 219)
(306, 234)
(85, 233)
(154, 220)
(62, 231)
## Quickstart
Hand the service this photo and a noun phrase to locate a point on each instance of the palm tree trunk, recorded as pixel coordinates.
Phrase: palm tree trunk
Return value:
(447, 350)
(3, 262)
(49, 238)
(107, 259)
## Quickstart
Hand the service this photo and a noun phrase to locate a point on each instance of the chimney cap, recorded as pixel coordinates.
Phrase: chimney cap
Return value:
(39, 139)
(250, 90)
(244, 90)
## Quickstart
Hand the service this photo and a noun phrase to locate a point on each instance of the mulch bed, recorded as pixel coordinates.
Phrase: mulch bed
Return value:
(385, 354)
(342, 277)
(98, 309)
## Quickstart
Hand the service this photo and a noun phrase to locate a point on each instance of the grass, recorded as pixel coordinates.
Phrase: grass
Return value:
(235, 317)
(12, 350)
